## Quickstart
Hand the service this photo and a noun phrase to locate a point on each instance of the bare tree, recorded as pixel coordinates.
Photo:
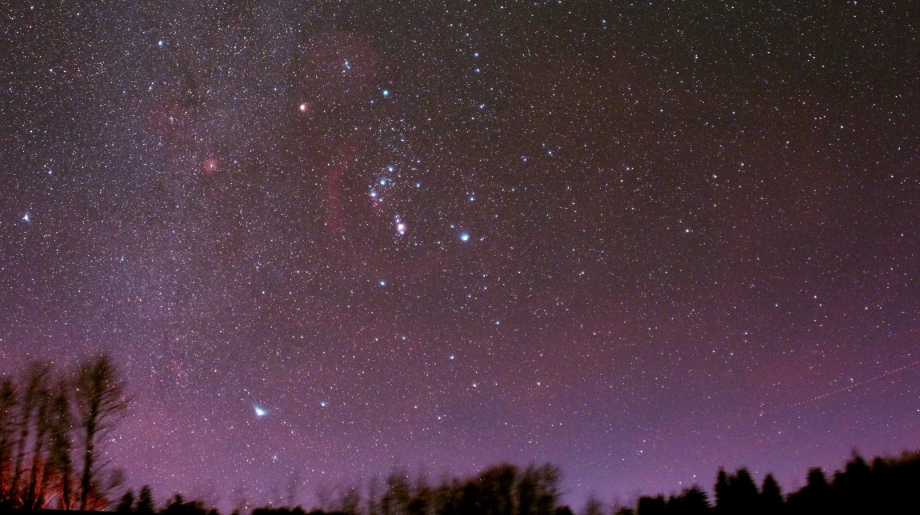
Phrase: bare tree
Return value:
(538, 490)
(398, 495)
(59, 460)
(24, 425)
(348, 499)
(101, 403)
(26, 420)
(40, 399)
(291, 489)
(8, 401)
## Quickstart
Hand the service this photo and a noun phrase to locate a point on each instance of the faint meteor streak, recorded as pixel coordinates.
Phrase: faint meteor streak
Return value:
(854, 385)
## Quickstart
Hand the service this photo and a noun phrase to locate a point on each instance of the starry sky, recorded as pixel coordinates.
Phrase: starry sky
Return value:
(324, 239)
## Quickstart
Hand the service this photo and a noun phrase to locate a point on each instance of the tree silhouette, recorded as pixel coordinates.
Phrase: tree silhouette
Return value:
(593, 506)
(496, 490)
(349, 500)
(691, 501)
(722, 491)
(538, 490)
(736, 494)
(8, 406)
(651, 505)
(33, 497)
(420, 498)
(395, 500)
(126, 503)
(59, 460)
(814, 496)
(852, 487)
(744, 492)
(179, 506)
(37, 416)
(101, 403)
(144, 505)
(771, 497)
(35, 378)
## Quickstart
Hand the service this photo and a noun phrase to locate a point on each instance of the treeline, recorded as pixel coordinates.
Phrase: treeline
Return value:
(51, 424)
(888, 486)
(53, 421)
(500, 490)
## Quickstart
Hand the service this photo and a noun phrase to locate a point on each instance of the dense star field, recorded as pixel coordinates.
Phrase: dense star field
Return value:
(639, 240)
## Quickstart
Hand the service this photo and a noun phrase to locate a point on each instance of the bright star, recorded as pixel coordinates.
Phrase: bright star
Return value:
(465, 237)
(210, 165)
(386, 92)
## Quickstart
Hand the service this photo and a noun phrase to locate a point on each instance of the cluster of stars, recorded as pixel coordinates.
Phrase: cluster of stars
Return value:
(322, 240)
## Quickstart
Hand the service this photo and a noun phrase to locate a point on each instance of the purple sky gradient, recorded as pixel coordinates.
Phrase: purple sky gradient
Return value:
(641, 241)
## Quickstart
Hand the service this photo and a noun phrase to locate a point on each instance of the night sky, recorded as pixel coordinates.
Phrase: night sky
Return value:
(639, 240)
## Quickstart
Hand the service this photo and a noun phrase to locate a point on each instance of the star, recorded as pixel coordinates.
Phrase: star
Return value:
(210, 165)
(636, 202)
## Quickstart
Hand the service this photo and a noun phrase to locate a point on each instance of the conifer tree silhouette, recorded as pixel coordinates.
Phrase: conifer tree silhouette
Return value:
(744, 492)
(651, 506)
(814, 497)
(771, 497)
(126, 503)
(144, 505)
(691, 501)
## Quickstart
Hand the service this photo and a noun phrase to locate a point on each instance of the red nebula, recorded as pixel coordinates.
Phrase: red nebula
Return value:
(210, 165)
